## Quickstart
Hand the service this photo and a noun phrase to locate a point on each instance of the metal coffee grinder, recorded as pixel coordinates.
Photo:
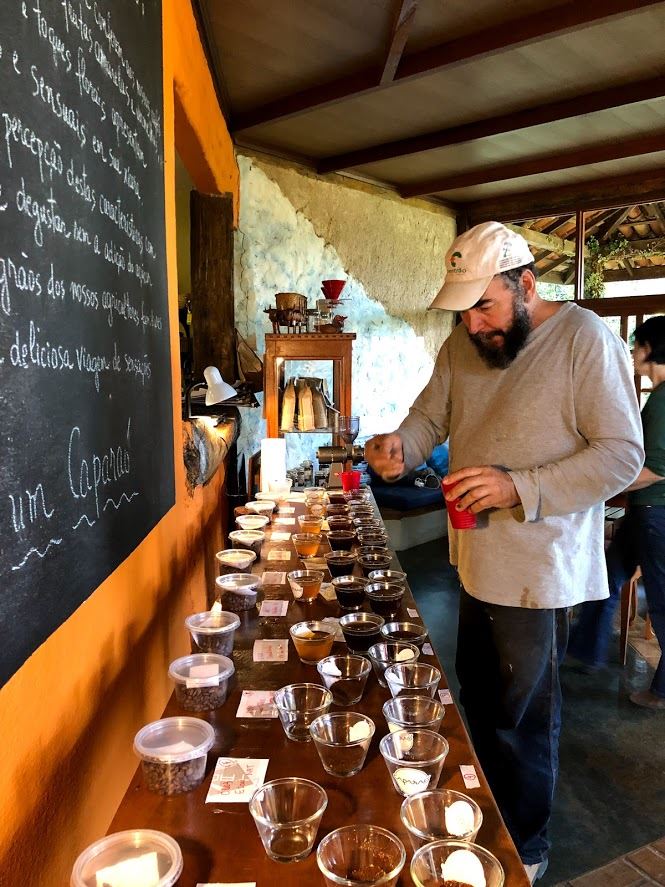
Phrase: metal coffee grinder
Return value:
(346, 428)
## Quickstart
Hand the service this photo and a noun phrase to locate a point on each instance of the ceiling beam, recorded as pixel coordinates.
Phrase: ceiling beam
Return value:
(587, 103)
(404, 18)
(548, 267)
(611, 307)
(529, 29)
(517, 169)
(545, 241)
(604, 193)
(655, 209)
(645, 272)
(618, 219)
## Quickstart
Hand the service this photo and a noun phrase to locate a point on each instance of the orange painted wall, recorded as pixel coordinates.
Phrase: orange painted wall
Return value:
(68, 717)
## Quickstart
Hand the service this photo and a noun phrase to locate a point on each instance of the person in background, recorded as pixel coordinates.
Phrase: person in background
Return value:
(539, 403)
(640, 540)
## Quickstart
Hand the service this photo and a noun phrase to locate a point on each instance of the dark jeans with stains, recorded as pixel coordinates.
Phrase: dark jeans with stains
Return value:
(639, 540)
(508, 666)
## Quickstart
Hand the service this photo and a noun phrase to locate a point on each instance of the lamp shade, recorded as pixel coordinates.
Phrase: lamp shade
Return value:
(273, 461)
(218, 389)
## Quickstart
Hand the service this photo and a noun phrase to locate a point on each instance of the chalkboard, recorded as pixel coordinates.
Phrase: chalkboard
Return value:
(86, 460)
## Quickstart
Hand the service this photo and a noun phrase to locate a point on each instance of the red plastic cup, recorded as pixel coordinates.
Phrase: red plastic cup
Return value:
(350, 480)
(460, 520)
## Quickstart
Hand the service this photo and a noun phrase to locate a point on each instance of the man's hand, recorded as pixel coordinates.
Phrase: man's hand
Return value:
(482, 487)
(385, 455)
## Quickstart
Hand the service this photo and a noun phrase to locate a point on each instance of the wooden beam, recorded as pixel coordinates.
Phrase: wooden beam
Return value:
(587, 103)
(645, 272)
(404, 18)
(548, 267)
(566, 18)
(579, 254)
(545, 241)
(600, 153)
(618, 218)
(655, 209)
(603, 193)
(625, 305)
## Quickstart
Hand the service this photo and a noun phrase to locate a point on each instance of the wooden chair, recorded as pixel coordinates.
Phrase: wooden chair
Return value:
(628, 613)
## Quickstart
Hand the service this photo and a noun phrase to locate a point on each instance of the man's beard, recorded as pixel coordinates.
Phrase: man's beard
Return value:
(514, 338)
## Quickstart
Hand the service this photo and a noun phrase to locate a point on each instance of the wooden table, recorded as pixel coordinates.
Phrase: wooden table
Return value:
(219, 842)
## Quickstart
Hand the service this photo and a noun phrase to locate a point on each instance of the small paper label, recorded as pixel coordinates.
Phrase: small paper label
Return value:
(303, 632)
(469, 776)
(459, 818)
(327, 591)
(201, 672)
(280, 536)
(285, 521)
(316, 563)
(339, 634)
(271, 651)
(446, 697)
(273, 608)
(411, 780)
(274, 577)
(176, 748)
(413, 613)
(404, 655)
(359, 731)
(257, 704)
(135, 872)
(330, 669)
(427, 650)
(236, 779)
(394, 727)
(279, 554)
(287, 509)
(295, 497)
(405, 742)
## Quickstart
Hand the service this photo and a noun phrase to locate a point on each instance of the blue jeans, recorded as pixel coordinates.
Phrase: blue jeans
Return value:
(639, 540)
(508, 667)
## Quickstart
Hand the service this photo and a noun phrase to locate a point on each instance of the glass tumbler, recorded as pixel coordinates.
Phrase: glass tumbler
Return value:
(287, 814)
(361, 856)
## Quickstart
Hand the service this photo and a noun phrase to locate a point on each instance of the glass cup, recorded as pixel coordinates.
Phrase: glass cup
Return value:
(413, 679)
(414, 759)
(340, 522)
(345, 677)
(387, 653)
(298, 705)
(341, 540)
(359, 509)
(287, 814)
(337, 509)
(350, 591)
(410, 632)
(367, 522)
(373, 538)
(411, 712)
(305, 584)
(306, 544)
(385, 598)
(313, 640)
(315, 508)
(361, 630)
(336, 497)
(340, 562)
(362, 494)
(370, 562)
(310, 525)
(432, 816)
(394, 576)
(342, 740)
(360, 856)
(454, 862)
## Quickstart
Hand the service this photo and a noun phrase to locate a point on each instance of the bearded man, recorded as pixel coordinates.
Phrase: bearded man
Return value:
(538, 401)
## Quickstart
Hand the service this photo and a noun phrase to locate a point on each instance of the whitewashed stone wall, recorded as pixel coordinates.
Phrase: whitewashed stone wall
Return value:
(391, 254)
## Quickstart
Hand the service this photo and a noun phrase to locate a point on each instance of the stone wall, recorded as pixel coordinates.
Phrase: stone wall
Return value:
(296, 230)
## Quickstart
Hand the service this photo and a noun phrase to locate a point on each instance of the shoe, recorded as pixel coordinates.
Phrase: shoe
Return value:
(536, 871)
(647, 699)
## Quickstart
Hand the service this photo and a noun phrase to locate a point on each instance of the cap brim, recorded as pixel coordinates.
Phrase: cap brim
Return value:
(460, 295)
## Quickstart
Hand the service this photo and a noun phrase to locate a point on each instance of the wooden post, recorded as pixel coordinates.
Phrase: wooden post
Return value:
(579, 254)
(212, 284)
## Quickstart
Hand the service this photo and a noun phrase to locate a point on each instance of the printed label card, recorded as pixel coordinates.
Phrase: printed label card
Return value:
(413, 613)
(279, 554)
(446, 697)
(236, 779)
(428, 650)
(287, 509)
(327, 591)
(285, 521)
(274, 577)
(274, 608)
(469, 776)
(257, 704)
(271, 650)
(280, 536)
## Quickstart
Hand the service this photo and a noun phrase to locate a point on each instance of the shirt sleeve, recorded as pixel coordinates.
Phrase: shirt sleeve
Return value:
(654, 434)
(429, 417)
(608, 419)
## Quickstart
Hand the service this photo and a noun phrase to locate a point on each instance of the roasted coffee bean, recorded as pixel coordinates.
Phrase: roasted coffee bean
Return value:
(201, 698)
(174, 778)
(236, 603)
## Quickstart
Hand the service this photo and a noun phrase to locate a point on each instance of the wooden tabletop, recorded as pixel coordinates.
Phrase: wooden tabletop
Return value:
(219, 842)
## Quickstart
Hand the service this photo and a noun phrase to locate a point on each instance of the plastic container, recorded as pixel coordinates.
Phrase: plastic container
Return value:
(213, 632)
(160, 859)
(238, 591)
(173, 753)
(201, 680)
(261, 506)
(252, 521)
(251, 540)
(461, 519)
(235, 560)
(454, 861)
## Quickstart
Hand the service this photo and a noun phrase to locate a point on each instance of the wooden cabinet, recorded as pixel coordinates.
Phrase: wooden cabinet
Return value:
(335, 347)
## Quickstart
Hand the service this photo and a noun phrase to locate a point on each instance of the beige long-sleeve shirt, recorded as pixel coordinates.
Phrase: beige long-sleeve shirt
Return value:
(563, 419)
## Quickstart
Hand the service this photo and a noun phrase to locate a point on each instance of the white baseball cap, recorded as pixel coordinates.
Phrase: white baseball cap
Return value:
(474, 258)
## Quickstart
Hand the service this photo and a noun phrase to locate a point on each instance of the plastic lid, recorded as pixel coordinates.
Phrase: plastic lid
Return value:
(174, 740)
(243, 583)
(261, 505)
(252, 521)
(211, 622)
(162, 852)
(236, 557)
(247, 535)
(203, 665)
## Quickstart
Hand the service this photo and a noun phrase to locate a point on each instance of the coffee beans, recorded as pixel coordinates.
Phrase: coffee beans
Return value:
(201, 698)
(175, 778)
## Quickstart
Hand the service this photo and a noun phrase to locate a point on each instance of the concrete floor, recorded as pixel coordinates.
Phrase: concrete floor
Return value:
(611, 795)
